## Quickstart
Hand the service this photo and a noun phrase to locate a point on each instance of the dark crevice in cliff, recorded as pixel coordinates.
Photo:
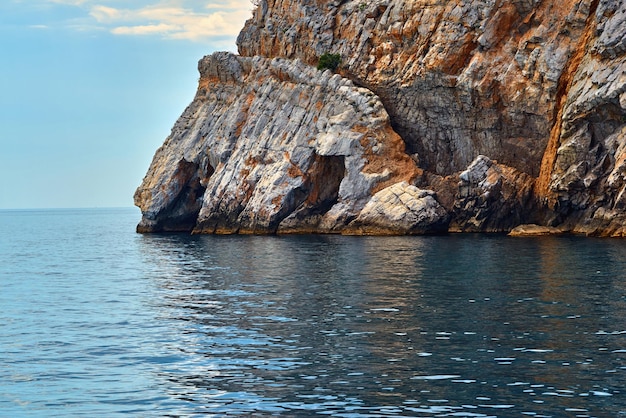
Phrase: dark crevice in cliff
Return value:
(182, 213)
(328, 172)
(320, 193)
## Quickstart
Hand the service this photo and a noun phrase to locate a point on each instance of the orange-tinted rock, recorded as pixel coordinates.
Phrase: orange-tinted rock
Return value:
(532, 230)
(458, 78)
(503, 113)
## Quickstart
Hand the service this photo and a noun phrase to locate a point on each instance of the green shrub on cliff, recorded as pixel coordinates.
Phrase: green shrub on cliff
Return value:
(330, 61)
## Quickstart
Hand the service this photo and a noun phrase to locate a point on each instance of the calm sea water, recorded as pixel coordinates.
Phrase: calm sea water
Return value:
(96, 320)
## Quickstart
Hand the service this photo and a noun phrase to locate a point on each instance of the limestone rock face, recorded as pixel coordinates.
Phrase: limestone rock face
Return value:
(401, 209)
(459, 78)
(584, 165)
(470, 115)
(271, 145)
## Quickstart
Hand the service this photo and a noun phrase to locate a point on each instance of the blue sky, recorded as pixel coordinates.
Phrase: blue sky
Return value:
(91, 88)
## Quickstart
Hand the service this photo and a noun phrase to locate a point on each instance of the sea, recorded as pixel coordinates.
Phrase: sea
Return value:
(98, 321)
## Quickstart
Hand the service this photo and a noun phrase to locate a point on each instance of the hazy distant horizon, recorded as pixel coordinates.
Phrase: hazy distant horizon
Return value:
(70, 208)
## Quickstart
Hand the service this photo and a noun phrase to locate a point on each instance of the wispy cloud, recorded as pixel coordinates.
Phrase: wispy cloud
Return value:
(194, 20)
(69, 2)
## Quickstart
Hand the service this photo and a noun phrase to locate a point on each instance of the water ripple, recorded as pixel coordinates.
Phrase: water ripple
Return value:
(99, 321)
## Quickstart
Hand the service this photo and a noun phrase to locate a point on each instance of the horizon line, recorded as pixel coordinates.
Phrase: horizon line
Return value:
(68, 208)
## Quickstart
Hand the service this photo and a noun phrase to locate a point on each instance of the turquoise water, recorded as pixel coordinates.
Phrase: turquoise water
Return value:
(96, 320)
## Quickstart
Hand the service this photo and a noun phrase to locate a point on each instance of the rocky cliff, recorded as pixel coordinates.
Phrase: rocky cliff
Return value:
(473, 115)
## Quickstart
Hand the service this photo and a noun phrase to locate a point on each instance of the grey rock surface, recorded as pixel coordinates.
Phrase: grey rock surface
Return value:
(467, 115)
(271, 145)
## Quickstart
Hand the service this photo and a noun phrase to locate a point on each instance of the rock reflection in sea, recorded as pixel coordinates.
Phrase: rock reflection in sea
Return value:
(355, 326)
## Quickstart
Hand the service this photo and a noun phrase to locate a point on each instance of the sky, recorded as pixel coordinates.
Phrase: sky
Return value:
(89, 89)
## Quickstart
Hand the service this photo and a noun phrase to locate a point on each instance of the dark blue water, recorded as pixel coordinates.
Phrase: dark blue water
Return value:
(96, 320)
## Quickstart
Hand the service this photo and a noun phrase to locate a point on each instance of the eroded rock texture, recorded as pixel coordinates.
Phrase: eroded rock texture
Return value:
(272, 145)
(459, 78)
(473, 115)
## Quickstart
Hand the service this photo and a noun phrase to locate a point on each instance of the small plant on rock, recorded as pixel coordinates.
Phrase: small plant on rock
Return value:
(329, 61)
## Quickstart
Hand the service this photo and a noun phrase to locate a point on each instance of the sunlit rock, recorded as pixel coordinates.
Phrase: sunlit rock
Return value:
(509, 112)
(401, 209)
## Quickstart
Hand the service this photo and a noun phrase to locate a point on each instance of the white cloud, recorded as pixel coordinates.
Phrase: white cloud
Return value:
(161, 28)
(104, 13)
(70, 2)
(195, 20)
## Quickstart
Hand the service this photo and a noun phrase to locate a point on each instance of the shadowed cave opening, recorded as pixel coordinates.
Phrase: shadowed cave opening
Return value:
(182, 213)
(318, 194)
(325, 177)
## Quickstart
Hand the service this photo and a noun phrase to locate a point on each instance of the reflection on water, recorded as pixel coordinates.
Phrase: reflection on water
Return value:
(106, 324)
(431, 326)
